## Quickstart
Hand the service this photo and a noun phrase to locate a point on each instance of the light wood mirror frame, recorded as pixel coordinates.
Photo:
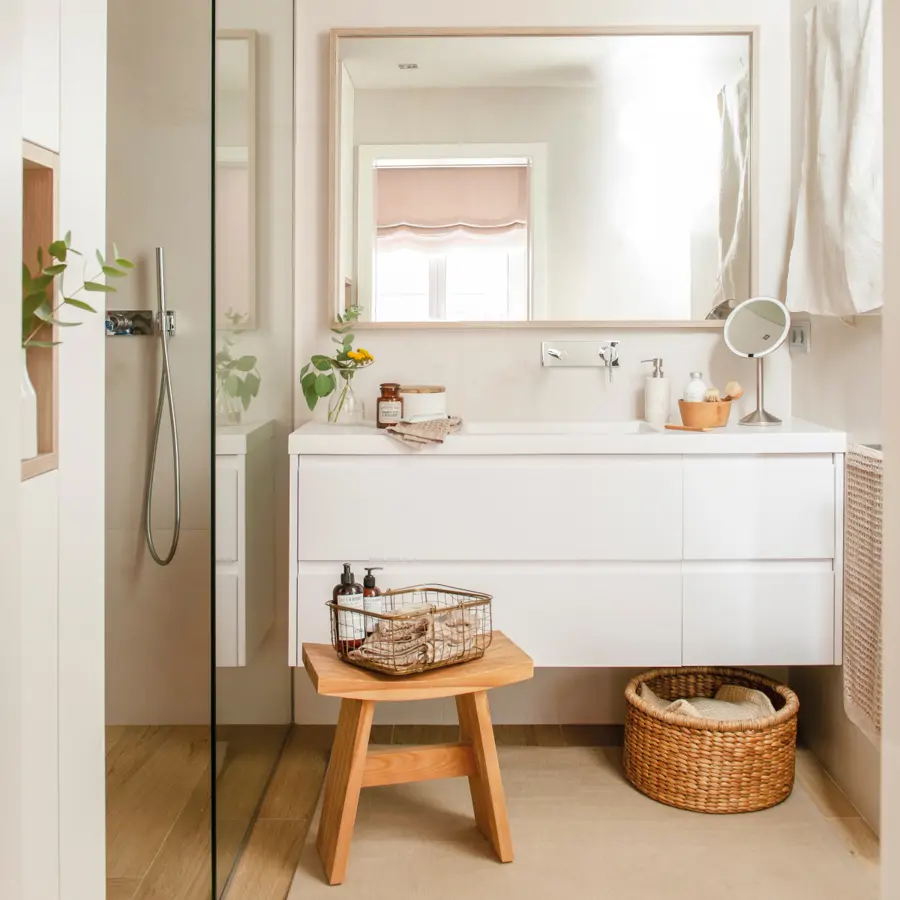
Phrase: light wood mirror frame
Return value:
(340, 293)
(240, 157)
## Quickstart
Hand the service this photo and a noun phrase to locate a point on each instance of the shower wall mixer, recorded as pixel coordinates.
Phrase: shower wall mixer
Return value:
(141, 323)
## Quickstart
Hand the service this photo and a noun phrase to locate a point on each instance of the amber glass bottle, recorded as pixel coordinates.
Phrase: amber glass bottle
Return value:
(389, 406)
(351, 626)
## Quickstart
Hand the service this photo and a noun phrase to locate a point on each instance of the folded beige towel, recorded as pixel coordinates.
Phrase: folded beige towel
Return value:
(417, 435)
(732, 703)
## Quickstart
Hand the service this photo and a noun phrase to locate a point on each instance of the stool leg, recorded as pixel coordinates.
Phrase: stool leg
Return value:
(342, 786)
(486, 787)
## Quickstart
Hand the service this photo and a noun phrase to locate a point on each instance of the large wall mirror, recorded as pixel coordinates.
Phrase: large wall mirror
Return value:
(235, 179)
(534, 178)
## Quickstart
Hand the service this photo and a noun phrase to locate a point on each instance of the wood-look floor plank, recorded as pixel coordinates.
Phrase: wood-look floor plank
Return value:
(150, 775)
(182, 870)
(381, 734)
(121, 888)
(268, 863)
(294, 789)
(251, 753)
(113, 734)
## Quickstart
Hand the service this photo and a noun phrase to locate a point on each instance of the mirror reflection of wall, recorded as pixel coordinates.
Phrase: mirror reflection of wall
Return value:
(235, 179)
(645, 140)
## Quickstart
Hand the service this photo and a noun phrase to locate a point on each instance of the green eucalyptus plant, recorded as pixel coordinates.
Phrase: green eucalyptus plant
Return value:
(39, 295)
(237, 377)
(318, 378)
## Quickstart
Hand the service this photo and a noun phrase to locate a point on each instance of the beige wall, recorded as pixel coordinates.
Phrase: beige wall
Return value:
(507, 382)
(890, 804)
(837, 384)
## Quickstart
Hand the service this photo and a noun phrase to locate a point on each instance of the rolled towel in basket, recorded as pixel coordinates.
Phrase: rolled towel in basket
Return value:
(454, 636)
(402, 640)
(732, 703)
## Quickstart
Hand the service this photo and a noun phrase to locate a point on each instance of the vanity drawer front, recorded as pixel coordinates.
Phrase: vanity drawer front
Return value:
(569, 615)
(227, 508)
(227, 612)
(755, 507)
(489, 508)
(763, 614)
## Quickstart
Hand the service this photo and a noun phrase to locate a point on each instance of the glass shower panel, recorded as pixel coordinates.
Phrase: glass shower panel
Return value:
(160, 761)
(253, 314)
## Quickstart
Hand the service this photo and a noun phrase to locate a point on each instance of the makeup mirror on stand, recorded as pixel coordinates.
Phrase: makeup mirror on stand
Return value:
(756, 328)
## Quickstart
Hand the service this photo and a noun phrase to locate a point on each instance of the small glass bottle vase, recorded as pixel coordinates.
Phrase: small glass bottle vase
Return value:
(228, 408)
(344, 407)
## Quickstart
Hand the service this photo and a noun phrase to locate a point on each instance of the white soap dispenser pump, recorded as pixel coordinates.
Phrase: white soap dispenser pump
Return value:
(656, 394)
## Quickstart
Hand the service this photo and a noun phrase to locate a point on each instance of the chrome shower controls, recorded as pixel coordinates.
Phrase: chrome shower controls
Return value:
(138, 323)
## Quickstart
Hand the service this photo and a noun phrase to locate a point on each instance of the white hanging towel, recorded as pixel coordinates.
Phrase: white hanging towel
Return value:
(836, 265)
(733, 281)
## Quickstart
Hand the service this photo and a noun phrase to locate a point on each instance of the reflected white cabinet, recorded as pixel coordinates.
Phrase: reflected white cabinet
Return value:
(40, 73)
(656, 559)
(245, 547)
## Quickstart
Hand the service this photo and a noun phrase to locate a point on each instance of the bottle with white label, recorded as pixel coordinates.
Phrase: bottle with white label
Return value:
(695, 392)
(348, 595)
(389, 408)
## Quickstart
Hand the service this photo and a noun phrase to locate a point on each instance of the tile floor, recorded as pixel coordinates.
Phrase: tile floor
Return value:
(581, 831)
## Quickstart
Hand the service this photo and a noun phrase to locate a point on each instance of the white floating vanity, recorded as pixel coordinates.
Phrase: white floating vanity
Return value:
(604, 544)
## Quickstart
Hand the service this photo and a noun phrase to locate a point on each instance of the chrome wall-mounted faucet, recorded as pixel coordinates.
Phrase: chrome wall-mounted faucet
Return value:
(581, 354)
(609, 353)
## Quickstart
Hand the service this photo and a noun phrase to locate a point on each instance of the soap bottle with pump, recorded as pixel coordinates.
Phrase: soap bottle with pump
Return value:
(656, 394)
(351, 625)
(372, 602)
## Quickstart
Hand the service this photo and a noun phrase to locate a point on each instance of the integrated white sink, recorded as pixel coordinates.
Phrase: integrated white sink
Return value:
(572, 438)
(574, 428)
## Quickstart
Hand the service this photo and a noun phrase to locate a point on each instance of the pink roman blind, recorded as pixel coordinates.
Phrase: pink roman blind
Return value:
(451, 203)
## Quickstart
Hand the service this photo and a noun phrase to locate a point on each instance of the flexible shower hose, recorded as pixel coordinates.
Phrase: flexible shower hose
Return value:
(165, 394)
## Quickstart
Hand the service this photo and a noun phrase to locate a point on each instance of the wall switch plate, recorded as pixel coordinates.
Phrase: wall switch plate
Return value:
(800, 337)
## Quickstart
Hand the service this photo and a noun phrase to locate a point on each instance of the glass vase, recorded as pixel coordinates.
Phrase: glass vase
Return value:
(228, 408)
(344, 406)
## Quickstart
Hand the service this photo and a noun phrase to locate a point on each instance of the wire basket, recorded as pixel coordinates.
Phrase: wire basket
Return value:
(413, 629)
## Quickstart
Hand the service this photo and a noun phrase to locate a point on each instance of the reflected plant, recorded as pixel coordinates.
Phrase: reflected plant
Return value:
(38, 290)
(237, 379)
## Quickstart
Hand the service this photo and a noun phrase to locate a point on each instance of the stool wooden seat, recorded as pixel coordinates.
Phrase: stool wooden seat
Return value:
(353, 766)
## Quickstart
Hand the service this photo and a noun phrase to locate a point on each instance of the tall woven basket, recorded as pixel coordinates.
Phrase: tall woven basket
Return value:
(704, 765)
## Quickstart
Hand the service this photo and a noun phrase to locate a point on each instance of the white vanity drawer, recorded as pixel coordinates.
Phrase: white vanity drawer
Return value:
(227, 626)
(489, 508)
(575, 614)
(227, 508)
(758, 614)
(759, 507)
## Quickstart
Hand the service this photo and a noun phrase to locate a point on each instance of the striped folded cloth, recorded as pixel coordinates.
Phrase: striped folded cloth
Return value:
(417, 435)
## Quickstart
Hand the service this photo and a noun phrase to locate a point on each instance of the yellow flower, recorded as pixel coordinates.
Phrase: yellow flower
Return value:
(361, 355)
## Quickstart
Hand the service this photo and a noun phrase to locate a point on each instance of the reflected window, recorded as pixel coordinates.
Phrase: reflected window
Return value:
(460, 285)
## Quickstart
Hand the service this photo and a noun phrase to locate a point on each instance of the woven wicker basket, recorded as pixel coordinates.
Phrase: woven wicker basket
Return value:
(705, 765)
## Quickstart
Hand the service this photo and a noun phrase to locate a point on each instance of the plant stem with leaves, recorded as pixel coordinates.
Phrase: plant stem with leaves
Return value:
(38, 307)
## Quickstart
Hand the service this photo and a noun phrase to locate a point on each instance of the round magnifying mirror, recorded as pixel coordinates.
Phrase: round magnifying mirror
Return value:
(756, 328)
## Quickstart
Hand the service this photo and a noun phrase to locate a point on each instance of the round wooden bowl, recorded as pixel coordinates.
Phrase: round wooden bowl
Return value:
(705, 415)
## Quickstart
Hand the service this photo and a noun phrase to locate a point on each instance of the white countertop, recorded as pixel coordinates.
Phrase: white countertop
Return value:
(236, 440)
(579, 438)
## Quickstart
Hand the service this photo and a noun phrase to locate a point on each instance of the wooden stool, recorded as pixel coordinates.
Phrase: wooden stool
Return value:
(353, 766)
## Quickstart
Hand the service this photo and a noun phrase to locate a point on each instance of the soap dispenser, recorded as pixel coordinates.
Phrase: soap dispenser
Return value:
(372, 601)
(656, 394)
(348, 595)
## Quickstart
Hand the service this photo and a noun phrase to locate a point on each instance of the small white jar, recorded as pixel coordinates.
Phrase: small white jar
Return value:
(423, 402)
(695, 392)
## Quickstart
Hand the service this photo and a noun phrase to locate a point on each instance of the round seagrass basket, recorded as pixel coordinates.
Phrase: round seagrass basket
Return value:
(704, 765)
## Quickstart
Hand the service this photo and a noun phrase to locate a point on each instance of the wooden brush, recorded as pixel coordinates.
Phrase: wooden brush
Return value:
(685, 428)
(733, 391)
